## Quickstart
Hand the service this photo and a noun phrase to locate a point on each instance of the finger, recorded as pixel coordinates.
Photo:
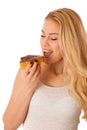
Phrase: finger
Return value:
(37, 73)
(33, 69)
(26, 70)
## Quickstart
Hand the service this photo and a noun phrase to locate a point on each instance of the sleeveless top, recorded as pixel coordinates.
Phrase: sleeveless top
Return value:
(52, 108)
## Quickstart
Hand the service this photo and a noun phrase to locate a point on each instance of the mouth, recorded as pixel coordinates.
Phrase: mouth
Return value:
(47, 53)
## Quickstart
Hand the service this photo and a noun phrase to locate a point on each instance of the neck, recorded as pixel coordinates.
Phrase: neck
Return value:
(52, 74)
(56, 69)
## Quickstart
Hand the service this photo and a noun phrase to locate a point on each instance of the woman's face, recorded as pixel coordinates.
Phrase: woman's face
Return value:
(50, 41)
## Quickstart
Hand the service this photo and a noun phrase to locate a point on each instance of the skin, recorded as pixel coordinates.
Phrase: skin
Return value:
(25, 84)
(53, 65)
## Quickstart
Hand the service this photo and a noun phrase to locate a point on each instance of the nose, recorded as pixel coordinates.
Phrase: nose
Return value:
(46, 42)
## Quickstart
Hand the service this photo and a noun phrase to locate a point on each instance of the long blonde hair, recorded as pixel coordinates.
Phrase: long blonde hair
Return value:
(73, 43)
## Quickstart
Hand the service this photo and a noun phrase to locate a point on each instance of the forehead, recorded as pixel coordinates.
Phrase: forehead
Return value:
(50, 26)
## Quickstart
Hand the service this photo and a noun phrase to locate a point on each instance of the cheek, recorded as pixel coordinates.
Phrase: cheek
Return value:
(58, 51)
(56, 48)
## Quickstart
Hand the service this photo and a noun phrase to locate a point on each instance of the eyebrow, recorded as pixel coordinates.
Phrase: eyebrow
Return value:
(50, 33)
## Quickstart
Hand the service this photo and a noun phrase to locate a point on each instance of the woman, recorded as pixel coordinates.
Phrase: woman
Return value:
(52, 95)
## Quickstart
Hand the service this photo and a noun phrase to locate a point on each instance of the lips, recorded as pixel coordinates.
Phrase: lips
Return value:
(47, 53)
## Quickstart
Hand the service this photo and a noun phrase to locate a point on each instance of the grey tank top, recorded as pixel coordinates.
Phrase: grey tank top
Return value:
(52, 108)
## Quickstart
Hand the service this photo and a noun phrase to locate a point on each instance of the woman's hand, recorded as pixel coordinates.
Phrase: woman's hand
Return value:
(31, 75)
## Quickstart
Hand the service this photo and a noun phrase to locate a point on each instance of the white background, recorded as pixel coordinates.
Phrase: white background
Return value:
(20, 25)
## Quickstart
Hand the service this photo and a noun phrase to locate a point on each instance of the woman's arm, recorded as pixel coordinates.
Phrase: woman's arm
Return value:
(23, 89)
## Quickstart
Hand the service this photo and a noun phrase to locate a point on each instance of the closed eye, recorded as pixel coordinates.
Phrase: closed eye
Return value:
(53, 39)
(42, 36)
